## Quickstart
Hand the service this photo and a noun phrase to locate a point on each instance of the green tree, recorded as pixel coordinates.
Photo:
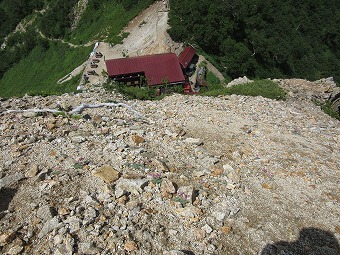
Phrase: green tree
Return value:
(263, 38)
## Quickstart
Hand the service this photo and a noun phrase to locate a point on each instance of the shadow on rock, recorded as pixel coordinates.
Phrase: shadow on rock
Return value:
(187, 252)
(6, 196)
(312, 241)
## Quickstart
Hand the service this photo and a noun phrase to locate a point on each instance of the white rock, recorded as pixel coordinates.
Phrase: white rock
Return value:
(240, 80)
(121, 131)
(74, 223)
(169, 133)
(228, 168)
(134, 186)
(7, 237)
(209, 161)
(167, 187)
(44, 213)
(119, 192)
(89, 200)
(189, 211)
(207, 228)
(198, 173)
(58, 239)
(90, 215)
(15, 250)
(87, 248)
(218, 215)
(11, 179)
(78, 139)
(196, 141)
(29, 114)
(187, 193)
(32, 172)
(49, 226)
(173, 232)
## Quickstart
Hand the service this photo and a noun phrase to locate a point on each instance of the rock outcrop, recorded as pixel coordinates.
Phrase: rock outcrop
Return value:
(238, 81)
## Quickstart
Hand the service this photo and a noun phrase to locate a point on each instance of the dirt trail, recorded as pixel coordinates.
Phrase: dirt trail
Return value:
(21, 27)
(211, 67)
(147, 35)
(63, 41)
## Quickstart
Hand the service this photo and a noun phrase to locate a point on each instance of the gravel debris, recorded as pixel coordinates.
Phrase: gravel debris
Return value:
(194, 175)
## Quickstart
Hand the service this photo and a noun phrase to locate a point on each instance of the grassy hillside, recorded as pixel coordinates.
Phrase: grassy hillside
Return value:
(105, 19)
(34, 64)
(39, 72)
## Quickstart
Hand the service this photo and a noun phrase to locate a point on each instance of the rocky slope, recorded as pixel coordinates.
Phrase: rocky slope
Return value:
(188, 175)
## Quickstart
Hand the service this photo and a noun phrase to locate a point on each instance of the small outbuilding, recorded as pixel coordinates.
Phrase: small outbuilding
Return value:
(187, 58)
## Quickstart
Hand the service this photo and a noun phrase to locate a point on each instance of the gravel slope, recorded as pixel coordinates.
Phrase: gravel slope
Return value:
(195, 175)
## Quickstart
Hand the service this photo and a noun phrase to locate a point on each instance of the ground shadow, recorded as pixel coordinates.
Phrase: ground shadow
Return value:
(187, 252)
(312, 241)
(6, 196)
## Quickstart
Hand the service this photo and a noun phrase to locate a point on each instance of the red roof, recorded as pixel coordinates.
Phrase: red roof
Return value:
(186, 56)
(157, 68)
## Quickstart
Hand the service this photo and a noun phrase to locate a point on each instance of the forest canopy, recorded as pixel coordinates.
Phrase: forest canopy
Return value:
(262, 38)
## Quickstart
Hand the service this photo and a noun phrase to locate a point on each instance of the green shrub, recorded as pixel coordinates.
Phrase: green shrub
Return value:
(133, 92)
(78, 166)
(76, 116)
(181, 200)
(157, 180)
(327, 108)
(178, 89)
(212, 79)
(265, 88)
(63, 114)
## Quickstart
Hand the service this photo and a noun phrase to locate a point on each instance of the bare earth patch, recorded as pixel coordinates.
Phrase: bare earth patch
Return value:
(147, 35)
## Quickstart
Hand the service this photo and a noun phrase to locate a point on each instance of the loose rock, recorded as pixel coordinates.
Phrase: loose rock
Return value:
(107, 173)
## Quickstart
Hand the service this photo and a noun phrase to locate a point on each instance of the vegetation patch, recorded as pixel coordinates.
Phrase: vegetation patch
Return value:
(32, 63)
(264, 38)
(13, 11)
(76, 116)
(264, 88)
(38, 73)
(61, 113)
(181, 200)
(105, 19)
(157, 180)
(327, 108)
(78, 166)
(134, 92)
